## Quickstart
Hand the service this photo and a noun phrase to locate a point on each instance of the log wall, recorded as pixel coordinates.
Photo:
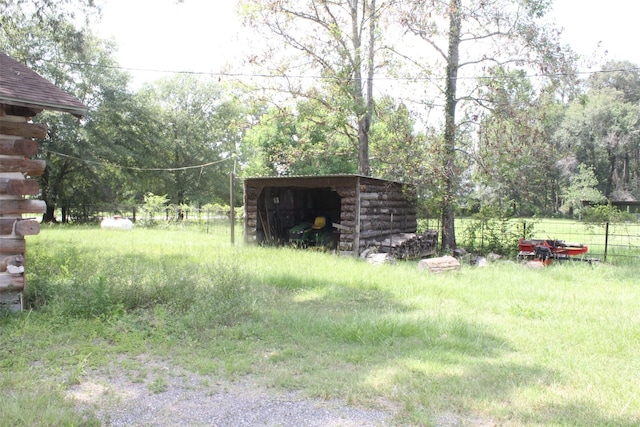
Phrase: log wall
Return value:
(16, 185)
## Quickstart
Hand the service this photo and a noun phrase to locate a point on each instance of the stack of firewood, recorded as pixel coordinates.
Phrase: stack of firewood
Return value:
(409, 245)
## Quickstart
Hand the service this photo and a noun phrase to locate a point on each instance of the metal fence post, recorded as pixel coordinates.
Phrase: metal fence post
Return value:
(232, 216)
(606, 240)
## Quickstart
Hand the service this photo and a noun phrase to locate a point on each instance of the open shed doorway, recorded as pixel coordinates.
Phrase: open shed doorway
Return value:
(281, 209)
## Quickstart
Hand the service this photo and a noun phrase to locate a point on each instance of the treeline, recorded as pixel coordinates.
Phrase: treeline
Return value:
(527, 137)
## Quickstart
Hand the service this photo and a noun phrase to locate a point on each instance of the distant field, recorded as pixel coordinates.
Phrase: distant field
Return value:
(501, 345)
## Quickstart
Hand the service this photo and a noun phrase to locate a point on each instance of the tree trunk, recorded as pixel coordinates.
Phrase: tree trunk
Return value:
(448, 228)
(363, 107)
(49, 215)
(612, 173)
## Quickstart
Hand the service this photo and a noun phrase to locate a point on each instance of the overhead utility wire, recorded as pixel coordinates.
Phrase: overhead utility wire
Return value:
(137, 168)
(272, 76)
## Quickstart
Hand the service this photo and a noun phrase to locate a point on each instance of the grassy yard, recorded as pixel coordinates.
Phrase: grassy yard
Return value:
(503, 344)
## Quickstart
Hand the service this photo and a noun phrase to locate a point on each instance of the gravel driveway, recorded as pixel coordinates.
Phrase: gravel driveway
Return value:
(173, 397)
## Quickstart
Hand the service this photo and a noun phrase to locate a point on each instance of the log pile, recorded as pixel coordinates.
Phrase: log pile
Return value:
(409, 245)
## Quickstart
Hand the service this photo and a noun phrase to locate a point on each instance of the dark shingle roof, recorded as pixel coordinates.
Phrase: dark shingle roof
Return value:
(23, 87)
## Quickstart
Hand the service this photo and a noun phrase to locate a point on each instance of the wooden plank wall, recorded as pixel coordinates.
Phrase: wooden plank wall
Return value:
(17, 170)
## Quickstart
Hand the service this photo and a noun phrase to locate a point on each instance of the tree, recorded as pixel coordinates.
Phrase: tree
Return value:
(199, 123)
(44, 35)
(622, 76)
(602, 131)
(332, 41)
(303, 140)
(477, 35)
(583, 188)
(515, 162)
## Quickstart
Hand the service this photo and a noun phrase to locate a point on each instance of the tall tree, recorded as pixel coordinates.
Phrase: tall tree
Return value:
(331, 41)
(622, 76)
(305, 140)
(602, 131)
(44, 35)
(199, 124)
(515, 161)
(476, 35)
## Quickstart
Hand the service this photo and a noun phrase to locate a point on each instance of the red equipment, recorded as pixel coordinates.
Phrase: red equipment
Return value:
(545, 250)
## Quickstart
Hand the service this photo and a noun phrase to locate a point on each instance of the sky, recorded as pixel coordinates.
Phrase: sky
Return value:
(206, 36)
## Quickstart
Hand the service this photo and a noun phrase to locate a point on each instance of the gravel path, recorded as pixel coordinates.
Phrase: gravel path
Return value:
(172, 397)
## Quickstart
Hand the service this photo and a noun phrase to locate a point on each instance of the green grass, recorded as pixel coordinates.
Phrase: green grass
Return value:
(505, 343)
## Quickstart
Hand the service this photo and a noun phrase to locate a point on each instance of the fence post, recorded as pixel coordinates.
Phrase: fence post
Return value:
(232, 216)
(606, 240)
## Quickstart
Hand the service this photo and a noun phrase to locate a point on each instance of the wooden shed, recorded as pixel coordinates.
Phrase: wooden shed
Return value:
(23, 94)
(358, 210)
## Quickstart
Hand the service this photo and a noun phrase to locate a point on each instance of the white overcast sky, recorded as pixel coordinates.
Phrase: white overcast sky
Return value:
(204, 35)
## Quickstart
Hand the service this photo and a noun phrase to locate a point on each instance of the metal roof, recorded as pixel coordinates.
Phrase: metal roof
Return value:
(21, 86)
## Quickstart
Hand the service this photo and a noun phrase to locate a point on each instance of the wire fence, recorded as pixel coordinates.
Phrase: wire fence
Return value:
(616, 243)
(209, 221)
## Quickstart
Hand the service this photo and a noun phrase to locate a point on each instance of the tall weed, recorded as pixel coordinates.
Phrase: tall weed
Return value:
(194, 290)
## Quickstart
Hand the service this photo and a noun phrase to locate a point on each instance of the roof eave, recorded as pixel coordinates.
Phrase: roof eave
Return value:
(76, 111)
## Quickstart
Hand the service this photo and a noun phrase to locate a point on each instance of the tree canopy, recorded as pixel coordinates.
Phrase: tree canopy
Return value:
(474, 102)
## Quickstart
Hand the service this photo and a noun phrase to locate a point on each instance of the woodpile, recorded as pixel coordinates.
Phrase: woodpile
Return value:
(409, 245)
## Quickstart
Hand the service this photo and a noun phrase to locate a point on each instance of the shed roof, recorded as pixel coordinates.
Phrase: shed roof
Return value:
(21, 86)
(313, 180)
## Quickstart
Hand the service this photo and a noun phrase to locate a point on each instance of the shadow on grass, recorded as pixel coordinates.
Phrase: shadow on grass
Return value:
(576, 413)
(331, 337)
(342, 340)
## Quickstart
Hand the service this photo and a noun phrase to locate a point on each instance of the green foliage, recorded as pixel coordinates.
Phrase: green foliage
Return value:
(199, 122)
(583, 188)
(307, 141)
(602, 214)
(153, 207)
(516, 161)
(600, 130)
(399, 152)
(490, 233)
(623, 76)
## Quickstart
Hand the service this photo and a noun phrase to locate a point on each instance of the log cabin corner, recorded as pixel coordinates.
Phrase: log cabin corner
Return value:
(23, 95)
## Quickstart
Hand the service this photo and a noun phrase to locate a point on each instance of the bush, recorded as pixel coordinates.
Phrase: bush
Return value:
(495, 235)
(599, 215)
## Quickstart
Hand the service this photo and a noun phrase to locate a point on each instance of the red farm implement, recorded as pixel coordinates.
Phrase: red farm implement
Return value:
(547, 250)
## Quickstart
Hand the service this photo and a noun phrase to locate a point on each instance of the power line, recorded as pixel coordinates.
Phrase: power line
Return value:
(309, 77)
(204, 165)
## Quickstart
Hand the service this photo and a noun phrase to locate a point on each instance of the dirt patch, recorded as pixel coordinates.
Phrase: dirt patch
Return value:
(170, 396)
